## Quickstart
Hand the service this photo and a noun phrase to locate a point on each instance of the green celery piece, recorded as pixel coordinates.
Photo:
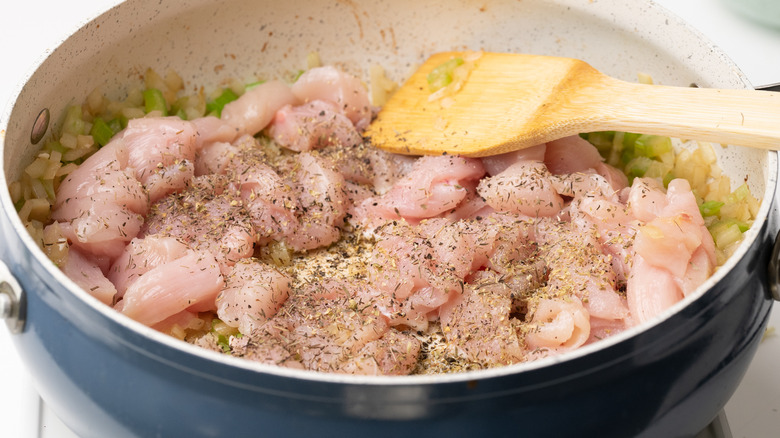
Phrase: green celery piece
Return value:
(602, 140)
(652, 146)
(54, 145)
(101, 131)
(637, 167)
(223, 343)
(177, 108)
(629, 143)
(19, 204)
(73, 123)
(115, 125)
(739, 194)
(668, 178)
(710, 208)
(253, 85)
(441, 75)
(725, 233)
(215, 107)
(154, 101)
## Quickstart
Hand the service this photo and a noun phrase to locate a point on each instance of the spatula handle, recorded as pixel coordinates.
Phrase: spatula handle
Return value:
(738, 117)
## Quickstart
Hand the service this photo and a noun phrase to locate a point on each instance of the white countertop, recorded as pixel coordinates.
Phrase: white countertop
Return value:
(29, 29)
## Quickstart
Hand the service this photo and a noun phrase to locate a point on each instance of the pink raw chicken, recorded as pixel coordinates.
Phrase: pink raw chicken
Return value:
(434, 185)
(88, 276)
(664, 266)
(191, 280)
(345, 91)
(254, 110)
(524, 187)
(313, 125)
(561, 325)
(253, 293)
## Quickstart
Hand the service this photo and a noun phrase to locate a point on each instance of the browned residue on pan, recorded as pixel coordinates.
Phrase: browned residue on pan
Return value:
(351, 5)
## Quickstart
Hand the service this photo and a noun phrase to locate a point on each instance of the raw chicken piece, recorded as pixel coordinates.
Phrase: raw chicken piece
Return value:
(524, 187)
(571, 155)
(214, 158)
(323, 202)
(102, 184)
(646, 199)
(650, 291)
(498, 163)
(394, 354)
(433, 186)
(562, 325)
(208, 216)
(141, 256)
(101, 229)
(360, 163)
(478, 324)
(253, 293)
(674, 250)
(577, 267)
(156, 143)
(88, 276)
(213, 130)
(270, 201)
(167, 289)
(255, 109)
(342, 89)
(322, 327)
(169, 179)
(313, 125)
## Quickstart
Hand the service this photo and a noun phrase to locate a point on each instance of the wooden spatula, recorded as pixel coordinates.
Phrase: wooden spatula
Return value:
(513, 101)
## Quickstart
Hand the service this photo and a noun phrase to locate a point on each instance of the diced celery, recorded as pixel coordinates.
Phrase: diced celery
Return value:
(601, 140)
(73, 123)
(652, 146)
(629, 143)
(215, 107)
(710, 208)
(441, 75)
(725, 233)
(637, 167)
(178, 107)
(739, 194)
(101, 132)
(155, 101)
(656, 169)
(668, 178)
(115, 125)
(253, 85)
(54, 145)
(617, 149)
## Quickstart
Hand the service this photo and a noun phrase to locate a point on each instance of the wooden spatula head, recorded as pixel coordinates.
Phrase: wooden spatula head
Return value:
(514, 101)
(502, 106)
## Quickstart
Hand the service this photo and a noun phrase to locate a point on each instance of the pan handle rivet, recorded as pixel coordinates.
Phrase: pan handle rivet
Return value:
(40, 126)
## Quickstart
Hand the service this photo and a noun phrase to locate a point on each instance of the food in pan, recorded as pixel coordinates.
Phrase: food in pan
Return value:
(258, 222)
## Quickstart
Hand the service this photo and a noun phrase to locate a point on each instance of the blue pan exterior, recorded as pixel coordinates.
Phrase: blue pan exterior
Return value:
(105, 379)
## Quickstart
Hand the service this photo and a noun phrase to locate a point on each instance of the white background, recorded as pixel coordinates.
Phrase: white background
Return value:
(30, 29)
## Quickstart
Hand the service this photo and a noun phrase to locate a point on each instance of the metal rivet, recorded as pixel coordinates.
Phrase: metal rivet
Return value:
(13, 303)
(40, 126)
